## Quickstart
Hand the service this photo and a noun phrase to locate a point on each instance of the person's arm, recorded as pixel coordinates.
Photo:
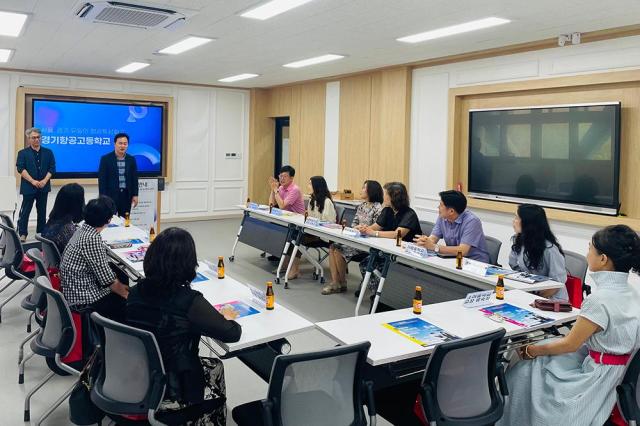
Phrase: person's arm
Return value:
(96, 257)
(581, 331)
(471, 236)
(21, 167)
(557, 269)
(513, 260)
(52, 168)
(430, 241)
(134, 182)
(102, 176)
(329, 212)
(206, 320)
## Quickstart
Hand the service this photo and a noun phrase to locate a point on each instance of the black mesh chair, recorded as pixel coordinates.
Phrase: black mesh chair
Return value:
(427, 227)
(35, 302)
(51, 254)
(314, 389)
(54, 341)
(577, 267)
(347, 215)
(132, 378)
(493, 247)
(11, 260)
(629, 392)
(459, 383)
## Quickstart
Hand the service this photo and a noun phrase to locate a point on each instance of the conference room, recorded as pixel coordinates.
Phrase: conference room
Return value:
(319, 212)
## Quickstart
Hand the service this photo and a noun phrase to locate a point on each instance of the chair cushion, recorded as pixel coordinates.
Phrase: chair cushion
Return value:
(40, 348)
(249, 414)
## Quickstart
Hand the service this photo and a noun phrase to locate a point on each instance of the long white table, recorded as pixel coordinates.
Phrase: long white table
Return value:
(389, 347)
(257, 329)
(387, 249)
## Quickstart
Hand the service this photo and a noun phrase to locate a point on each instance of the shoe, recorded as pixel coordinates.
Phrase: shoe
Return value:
(334, 288)
(23, 238)
(273, 259)
(357, 293)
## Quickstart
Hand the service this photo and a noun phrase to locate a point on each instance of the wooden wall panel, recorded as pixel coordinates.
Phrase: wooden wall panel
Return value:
(355, 123)
(312, 120)
(594, 88)
(261, 148)
(390, 120)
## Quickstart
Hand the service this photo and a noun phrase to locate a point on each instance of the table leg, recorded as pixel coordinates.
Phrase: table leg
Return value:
(383, 277)
(290, 235)
(235, 243)
(373, 254)
(296, 245)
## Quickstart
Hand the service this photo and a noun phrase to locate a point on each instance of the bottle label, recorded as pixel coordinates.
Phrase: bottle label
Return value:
(270, 302)
(499, 292)
(220, 272)
(417, 306)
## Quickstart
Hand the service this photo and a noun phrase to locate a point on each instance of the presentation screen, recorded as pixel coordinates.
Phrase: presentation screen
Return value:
(563, 156)
(79, 132)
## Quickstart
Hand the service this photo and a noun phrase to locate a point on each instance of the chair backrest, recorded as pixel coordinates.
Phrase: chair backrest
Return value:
(427, 227)
(576, 264)
(629, 390)
(12, 251)
(52, 256)
(59, 332)
(339, 212)
(132, 376)
(37, 296)
(306, 203)
(347, 215)
(319, 388)
(6, 220)
(460, 381)
(493, 247)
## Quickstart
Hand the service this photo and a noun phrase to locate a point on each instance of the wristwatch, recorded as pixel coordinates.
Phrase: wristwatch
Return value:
(436, 248)
(377, 233)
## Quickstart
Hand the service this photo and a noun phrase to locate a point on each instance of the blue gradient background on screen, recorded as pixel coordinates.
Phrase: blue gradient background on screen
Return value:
(79, 133)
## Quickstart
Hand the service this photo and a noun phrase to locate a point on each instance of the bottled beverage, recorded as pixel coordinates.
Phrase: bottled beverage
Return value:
(417, 301)
(271, 298)
(220, 267)
(152, 234)
(399, 239)
(459, 260)
(306, 215)
(500, 288)
(270, 207)
(248, 201)
(127, 220)
(344, 224)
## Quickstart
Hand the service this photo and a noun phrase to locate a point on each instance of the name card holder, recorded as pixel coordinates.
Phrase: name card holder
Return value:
(475, 267)
(416, 250)
(253, 206)
(351, 232)
(312, 221)
(478, 298)
(276, 212)
(258, 298)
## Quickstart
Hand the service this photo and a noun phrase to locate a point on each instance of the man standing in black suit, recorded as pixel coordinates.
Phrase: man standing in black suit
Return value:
(36, 165)
(118, 175)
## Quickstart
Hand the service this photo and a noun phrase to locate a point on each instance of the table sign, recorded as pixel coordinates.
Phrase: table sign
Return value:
(312, 221)
(258, 297)
(351, 232)
(416, 250)
(478, 298)
(253, 206)
(276, 212)
(475, 267)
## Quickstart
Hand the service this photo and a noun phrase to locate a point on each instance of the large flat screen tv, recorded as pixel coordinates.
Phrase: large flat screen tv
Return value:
(80, 131)
(561, 156)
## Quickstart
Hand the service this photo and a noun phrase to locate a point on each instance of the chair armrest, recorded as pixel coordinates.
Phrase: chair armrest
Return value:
(369, 397)
(502, 379)
(627, 401)
(267, 412)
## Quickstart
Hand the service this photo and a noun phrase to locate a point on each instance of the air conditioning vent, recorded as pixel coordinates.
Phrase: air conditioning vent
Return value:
(130, 15)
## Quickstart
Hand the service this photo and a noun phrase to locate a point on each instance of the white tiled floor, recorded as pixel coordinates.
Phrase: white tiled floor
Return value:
(213, 239)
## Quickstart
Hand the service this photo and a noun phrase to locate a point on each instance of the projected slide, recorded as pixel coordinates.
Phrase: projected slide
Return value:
(79, 133)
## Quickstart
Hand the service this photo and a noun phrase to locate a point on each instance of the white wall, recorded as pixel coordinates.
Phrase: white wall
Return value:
(208, 122)
(429, 120)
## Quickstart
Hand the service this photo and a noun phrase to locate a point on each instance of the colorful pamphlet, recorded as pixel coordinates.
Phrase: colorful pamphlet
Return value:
(199, 278)
(515, 315)
(528, 278)
(494, 271)
(241, 308)
(419, 331)
(137, 255)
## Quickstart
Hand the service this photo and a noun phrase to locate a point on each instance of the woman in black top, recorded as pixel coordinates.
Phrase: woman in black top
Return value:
(396, 216)
(65, 215)
(164, 303)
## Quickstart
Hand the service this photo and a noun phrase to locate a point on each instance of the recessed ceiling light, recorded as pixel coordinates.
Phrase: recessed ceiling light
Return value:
(5, 55)
(184, 45)
(237, 77)
(11, 23)
(454, 29)
(132, 67)
(272, 8)
(313, 61)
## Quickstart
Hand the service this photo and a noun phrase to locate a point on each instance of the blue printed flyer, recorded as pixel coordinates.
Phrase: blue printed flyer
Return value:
(420, 331)
(515, 315)
(241, 308)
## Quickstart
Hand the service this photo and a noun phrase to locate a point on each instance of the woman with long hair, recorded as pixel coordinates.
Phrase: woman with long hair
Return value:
(65, 215)
(536, 250)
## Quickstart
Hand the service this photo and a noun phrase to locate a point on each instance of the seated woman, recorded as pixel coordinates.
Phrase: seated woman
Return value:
(366, 214)
(65, 215)
(320, 207)
(396, 216)
(536, 250)
(164, 303)
(88, 278)
(572, 380)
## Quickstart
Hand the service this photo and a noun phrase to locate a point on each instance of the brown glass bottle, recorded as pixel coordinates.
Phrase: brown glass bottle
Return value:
(459, 260)
(399, 239)
(271, 298)
(500, 288)
(220, 267)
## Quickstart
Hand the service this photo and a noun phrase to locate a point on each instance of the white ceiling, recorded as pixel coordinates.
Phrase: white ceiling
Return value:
(364, 30)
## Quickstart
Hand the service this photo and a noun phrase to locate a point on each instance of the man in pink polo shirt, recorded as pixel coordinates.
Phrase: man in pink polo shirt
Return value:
(285, 194)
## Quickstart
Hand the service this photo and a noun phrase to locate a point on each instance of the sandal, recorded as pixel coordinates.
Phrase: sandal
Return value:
(334, 288)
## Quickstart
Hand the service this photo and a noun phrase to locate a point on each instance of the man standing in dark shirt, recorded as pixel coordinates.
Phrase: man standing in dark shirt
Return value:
(36, 165)
(118, 175)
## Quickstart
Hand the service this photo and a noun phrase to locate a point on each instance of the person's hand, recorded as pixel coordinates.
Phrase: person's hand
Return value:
(274, 184)
(525, 353)
(363, 229)
(134, 201)
(229, 313)
(120, 289)
(424, 241)
(37, 183)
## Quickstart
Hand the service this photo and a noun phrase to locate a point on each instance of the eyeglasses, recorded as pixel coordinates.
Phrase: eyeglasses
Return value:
(34, 137)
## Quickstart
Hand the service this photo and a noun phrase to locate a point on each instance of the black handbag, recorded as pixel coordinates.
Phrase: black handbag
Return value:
(82, 411)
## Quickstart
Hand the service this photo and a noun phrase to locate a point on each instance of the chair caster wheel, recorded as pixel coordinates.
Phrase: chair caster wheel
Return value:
(286, 285)
(21, 381)
(315, 276)
(322, 280)
(27, 415)
(232, 258)
(277, 280)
